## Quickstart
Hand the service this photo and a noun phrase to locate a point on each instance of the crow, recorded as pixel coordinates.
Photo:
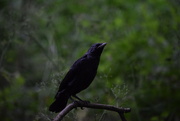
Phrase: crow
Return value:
(78, 78)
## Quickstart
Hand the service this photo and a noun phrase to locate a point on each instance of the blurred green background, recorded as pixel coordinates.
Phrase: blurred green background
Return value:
(139, 68)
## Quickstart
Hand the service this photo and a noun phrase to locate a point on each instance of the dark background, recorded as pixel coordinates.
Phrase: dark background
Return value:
(139, 68)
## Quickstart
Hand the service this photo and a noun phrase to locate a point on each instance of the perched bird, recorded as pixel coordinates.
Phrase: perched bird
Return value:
(78, 78)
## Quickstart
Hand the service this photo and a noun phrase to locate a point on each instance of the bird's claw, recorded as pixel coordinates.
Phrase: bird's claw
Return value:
(86, 102)
(80, 103)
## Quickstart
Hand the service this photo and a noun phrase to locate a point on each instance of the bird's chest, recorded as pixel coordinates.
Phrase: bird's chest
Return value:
(91, 66)
(89, 71)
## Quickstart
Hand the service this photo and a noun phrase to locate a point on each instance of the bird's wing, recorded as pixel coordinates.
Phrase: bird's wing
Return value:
(72, 73)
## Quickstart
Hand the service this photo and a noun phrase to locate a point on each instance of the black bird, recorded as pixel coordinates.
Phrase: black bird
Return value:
(78, 78)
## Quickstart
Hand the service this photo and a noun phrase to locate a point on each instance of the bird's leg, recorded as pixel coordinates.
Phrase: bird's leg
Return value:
(86, 102)
(80, 99)
(72, 99)
(77, 98)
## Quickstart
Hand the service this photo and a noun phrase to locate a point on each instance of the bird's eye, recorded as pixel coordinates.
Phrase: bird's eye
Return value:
(96, 47)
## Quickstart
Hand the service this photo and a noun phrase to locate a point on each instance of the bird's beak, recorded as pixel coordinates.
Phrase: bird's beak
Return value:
(102, 45)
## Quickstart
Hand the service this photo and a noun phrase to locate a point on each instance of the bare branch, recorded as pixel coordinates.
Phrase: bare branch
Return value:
(81, 104)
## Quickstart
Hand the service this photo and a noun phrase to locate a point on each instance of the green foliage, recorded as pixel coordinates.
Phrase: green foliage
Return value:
(139, 67)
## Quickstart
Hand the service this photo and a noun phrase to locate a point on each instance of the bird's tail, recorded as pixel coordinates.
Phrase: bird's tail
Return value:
(60, 103)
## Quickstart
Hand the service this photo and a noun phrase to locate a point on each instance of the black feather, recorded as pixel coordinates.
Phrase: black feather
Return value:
(79, 77)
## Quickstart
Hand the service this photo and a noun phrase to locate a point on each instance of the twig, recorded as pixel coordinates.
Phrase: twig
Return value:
(81, 104)
(122, 116)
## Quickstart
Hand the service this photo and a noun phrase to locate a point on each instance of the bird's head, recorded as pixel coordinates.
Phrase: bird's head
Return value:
(96, 49)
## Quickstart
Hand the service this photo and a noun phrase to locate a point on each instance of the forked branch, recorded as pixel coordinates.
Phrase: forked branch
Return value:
(81, 104)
